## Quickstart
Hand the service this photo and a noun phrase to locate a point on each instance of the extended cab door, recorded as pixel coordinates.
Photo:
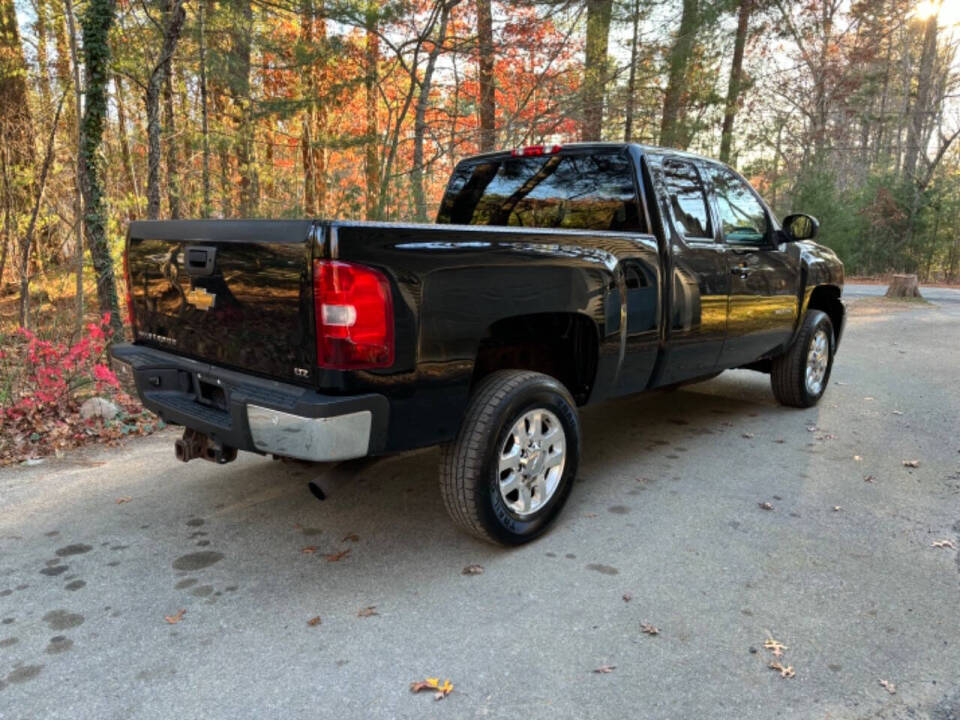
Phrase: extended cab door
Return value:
(764, 276)
(696, 270)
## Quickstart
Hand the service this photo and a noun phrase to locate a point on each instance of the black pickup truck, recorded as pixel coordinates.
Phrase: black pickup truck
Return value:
(554, 277)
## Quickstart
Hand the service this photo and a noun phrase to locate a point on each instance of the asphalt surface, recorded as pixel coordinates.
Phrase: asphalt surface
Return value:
(841, 569)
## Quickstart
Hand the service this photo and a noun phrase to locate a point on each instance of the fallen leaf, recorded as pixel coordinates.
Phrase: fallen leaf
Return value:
(352, 537)
(174, 619)
(868, 399)
(367, 611)
(765, 506)
(314, 621)
(943, 544)
(627, 597)
(603, 669)
(780, 441)
(121, 501)
(837, 508)
(911, 463)
(857, 458)
(472, 570)
(786, 672)
(869, 479)
(888, 686)
(811, 428)
(774, 646)
(440, 690)
(649, 629)
(309, 549)
(337, 556)
(896, 412)
(746, 435)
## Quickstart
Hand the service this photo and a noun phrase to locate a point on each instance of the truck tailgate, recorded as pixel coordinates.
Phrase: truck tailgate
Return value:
(233, 293)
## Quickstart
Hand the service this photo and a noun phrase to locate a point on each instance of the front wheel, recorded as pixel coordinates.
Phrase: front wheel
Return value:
(800, 376)
(508, 473)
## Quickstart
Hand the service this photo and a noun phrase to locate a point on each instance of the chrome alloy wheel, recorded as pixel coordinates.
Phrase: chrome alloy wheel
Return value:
(818, 357)
(531, 462)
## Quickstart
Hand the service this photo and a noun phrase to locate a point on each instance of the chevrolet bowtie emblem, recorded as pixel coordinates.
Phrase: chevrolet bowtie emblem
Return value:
(201, 299)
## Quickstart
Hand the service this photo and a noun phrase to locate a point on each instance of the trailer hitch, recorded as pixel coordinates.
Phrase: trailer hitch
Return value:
(195, 444)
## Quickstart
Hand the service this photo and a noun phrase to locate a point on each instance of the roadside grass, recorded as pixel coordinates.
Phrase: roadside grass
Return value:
(871, 306)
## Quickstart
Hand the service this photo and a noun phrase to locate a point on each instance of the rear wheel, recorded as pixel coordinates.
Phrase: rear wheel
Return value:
(800, 376)
(509, 471)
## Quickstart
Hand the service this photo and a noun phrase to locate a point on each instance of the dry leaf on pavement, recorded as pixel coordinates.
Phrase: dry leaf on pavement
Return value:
(352, 537)
(943, 544)
(472, 570)
(440, 690)
(911, 463)
(888, 686)
(314, 621)
(309, 549)
(627, 597)
(746, 436)
(837, 508)
(774, 646)
(603, 669)
(787, 672)
(765, 506)
(869, 479)
(337, 556)
(121, 501)
(367, 611)
(649, 629)
(174, 619)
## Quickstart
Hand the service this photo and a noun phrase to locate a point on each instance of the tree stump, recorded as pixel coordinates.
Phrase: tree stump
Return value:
(904, 286)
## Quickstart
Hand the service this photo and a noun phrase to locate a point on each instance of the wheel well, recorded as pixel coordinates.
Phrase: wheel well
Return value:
(827, 299)
(562, 345)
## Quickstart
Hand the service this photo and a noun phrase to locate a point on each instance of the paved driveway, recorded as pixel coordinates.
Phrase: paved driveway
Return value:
(667, 511)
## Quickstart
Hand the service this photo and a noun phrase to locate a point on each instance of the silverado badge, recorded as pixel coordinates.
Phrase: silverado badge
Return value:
(201, 299)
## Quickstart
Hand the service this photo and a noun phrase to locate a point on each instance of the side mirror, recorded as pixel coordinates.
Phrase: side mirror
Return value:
(800, 227)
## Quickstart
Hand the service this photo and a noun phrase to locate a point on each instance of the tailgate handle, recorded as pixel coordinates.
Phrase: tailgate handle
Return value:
(199, 259)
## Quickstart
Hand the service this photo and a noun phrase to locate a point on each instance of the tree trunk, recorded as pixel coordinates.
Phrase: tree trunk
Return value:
(241, 32)
(40, 186)
(921, 105)
(736, 76)
(371, 129)
(96, 23)
(485, 67)
(632, 79)
(73, 114)
(903, 286)
(595, 69)
(170, 131)
(204, 120)
(420, 115)
(43, 62)
(125, 155)
(172, 27)
(672, 132)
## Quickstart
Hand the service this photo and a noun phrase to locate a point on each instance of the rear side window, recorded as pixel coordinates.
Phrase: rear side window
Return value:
(687, 200)
(742, 217)
(589, 192)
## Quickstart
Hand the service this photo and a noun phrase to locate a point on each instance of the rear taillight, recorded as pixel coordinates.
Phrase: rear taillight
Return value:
(127, 279)
(354, 310)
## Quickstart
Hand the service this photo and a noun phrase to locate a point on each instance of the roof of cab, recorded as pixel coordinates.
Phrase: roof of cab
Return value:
(645, 149)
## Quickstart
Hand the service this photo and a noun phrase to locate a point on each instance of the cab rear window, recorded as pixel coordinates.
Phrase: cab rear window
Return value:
(582, 191)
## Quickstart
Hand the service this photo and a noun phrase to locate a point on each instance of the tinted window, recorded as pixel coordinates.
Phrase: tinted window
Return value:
(742, 217)
(591, 192)
(687, 201)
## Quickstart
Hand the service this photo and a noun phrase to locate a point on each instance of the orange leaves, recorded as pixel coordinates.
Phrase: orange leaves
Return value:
(605, 669)
(175, 618)
(337, 556)
(314, 621)
(432, 684)
(368, 611)
(786, 671)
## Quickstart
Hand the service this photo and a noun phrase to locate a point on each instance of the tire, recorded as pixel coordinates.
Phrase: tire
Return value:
(788, 372)
(477, 491)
